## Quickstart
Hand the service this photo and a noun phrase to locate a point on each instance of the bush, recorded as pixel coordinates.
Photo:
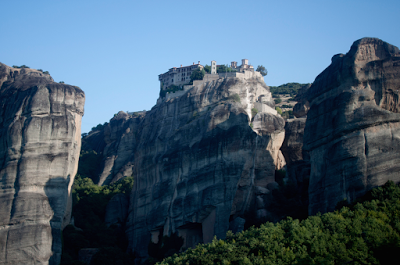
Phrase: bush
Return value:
(197, 74)
(170, 89)
(279, 110)
(254, 112)
(89, 208)
(277, 100)
(262, 70)
(289, 88)
(235, 97)
(288, 114)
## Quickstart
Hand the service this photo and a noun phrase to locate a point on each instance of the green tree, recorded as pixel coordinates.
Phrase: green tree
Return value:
(197, 74)
(207, 68)
(262, 70)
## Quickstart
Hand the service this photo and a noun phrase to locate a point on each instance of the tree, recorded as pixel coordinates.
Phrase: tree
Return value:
(262, 70)
(197, 74)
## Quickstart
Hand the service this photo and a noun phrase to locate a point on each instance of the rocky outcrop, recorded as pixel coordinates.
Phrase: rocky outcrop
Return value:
(203, 161)
(352, 133)
(39, 150)
(117, 210)
(200, 165)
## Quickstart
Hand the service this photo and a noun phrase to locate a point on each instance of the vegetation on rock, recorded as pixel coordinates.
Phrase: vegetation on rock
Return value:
(254, 112)
(89, 206)
(197, 75)
(22, 66)
(367, 232)
(225, 69)
(289, 88)
(170, 89)
(262, 70)
(235, 97)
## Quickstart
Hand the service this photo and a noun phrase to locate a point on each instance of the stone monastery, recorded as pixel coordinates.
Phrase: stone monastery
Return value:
(181, 75)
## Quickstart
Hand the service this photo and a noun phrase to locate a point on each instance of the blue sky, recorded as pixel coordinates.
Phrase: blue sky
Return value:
(115, 50)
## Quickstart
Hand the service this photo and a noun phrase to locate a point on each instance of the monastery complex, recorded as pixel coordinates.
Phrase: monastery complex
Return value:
(179, 76)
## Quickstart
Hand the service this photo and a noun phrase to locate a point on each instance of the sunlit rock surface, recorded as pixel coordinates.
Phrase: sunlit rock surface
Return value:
(199, 163)
(352, 133)
(202, 161)
(40, 124)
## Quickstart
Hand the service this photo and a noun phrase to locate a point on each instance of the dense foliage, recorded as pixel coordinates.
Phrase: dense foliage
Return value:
(224, 69)
(262, 70)
(22, 66)
(99, 126)
(361, 233)
(197, 74)
(289, 88)
(89, 206)
(89, 165)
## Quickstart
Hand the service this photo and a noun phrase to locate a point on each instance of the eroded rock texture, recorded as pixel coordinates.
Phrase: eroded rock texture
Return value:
(199, 165)
(202, 163)
(352, 131)
(39, 150)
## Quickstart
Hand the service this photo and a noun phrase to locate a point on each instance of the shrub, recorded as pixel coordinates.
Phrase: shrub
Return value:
(89, 207)
(197, 75)
(254, 112)
(235, 97)
(277, 100)
(170, 89)
(279, 110)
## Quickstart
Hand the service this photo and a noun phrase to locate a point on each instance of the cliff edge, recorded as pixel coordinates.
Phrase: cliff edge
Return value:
(40, 139)
(352, 132)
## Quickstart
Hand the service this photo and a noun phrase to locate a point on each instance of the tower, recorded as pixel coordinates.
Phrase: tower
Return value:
(213, 67)
(245, 62)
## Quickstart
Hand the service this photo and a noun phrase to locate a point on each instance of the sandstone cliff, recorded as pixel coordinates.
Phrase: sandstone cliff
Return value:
(203, 162)
(39, 150)
(352, 132)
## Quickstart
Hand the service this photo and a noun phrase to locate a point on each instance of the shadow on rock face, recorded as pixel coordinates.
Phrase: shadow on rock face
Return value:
(56, 190)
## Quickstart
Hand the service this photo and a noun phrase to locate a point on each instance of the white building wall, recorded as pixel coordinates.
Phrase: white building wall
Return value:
(213, 67)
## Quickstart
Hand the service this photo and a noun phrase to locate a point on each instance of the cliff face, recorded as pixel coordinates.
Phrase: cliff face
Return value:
(352, 132)
(203, 162)
(39, 150)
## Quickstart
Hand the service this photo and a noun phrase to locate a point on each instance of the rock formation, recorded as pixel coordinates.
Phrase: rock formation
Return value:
(39, 150)
(352, 132)
(203, 162)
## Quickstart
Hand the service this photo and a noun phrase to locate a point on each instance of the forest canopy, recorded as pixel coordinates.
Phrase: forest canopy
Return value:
(366, 232)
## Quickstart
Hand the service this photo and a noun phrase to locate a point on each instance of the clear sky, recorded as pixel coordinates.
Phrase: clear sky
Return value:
(115, 50)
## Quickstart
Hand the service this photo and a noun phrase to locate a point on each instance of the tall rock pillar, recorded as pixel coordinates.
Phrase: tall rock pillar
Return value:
(40, 130)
